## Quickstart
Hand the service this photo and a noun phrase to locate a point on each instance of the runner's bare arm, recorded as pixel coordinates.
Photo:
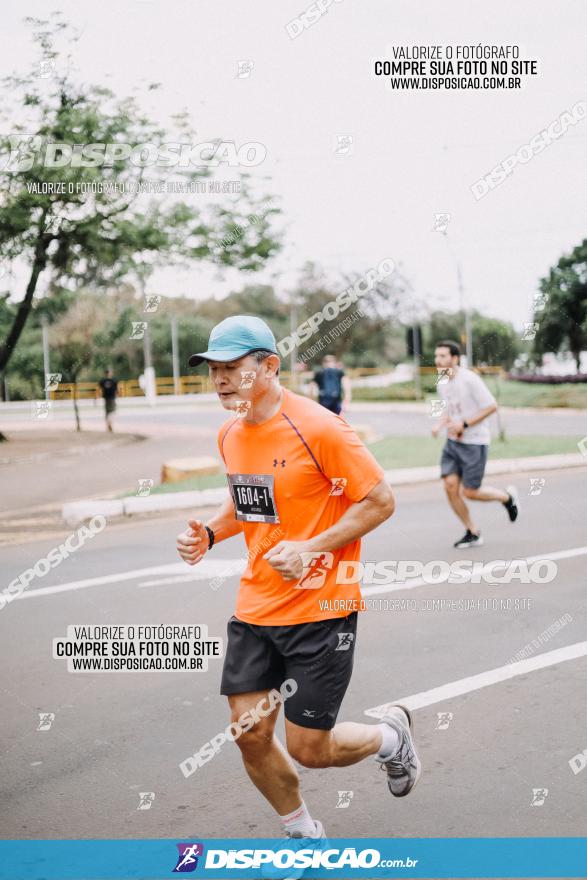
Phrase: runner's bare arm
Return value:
(193, 543)
(458, 427)
(360, 518)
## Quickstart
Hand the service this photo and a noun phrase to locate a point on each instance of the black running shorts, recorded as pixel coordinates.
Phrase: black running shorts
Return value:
(318, 656)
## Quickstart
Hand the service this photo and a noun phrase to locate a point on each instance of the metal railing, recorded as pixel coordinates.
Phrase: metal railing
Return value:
(202, 385)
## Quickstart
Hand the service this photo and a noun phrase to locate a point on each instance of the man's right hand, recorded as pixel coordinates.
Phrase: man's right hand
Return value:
(193, 543)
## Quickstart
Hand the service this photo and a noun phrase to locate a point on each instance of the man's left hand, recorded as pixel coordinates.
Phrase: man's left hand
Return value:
(286, 559)
(455, 427)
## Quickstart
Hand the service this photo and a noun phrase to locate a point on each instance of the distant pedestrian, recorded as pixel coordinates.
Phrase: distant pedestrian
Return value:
(334, 388)
(109, 387)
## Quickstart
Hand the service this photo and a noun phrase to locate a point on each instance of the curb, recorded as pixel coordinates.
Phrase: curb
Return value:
(75, 512)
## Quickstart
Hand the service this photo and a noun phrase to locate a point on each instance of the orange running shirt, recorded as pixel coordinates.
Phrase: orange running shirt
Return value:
(291, 478)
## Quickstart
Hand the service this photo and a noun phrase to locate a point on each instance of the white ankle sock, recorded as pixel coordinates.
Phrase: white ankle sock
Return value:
(300, 822)
(389, 741)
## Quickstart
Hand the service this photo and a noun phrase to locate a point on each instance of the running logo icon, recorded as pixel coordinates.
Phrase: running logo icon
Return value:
(52, 381)
(241, 408)
(537, 484)
(316, 567)
(247, 378)
(188, 857)
(152, 302)
(46, 719)
(444, 719)
(138, 329)
(146, 799)
(539, 795)
(338, 485)
(345, 641)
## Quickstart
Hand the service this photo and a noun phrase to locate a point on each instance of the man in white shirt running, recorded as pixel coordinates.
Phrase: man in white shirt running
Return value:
(468, 405)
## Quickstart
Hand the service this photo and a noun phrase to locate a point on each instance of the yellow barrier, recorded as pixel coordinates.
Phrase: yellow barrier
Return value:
(489, 371)
(201, 384)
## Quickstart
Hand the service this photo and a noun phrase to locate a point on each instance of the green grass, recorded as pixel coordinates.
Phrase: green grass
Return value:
(508, 393)
(210, 481)
(511, 393)
(399, 391)
(402, 452)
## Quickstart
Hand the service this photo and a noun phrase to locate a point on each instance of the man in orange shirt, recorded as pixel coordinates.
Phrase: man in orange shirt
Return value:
(301, 480)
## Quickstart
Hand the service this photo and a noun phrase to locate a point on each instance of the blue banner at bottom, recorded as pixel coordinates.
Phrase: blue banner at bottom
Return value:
(276, 859)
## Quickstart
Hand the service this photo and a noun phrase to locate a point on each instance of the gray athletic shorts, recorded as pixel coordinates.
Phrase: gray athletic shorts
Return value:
(468, 460)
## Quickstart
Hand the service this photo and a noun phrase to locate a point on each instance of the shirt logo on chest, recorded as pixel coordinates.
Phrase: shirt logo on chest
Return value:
(276, 462)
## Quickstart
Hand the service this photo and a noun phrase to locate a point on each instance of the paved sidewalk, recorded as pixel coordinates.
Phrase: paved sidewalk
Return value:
(26, 446)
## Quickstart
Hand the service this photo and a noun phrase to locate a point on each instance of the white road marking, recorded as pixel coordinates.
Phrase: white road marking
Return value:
(207, 568)
(412, 583)
(484, 679)
(178, 579)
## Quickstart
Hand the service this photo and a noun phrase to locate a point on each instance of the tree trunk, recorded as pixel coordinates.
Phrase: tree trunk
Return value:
(75, 408)
(24, 308)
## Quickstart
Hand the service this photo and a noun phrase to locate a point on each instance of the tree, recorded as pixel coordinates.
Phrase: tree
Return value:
(374, 335)
(561, 307)
(73, 338)
(494, 341)
(81, 221)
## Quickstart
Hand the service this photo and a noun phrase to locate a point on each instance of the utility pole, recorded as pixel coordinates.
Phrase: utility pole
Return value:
(149, 372)
(293, 355)
(463, 307)
(175, 356)
(468, 329)
(417, 359)
(46, 369)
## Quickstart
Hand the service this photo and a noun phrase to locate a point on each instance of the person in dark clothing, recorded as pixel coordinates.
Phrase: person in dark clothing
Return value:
(332, 384)
(109, 387)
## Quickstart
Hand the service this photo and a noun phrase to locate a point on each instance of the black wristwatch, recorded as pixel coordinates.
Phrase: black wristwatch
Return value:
(210, 537)
(465, 424)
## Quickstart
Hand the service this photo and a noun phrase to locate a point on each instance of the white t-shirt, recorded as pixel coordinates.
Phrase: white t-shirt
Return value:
(465, 395)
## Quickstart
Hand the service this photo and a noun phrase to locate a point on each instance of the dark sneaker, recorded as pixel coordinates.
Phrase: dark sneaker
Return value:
(403, 769)
(512, 505)
(469, 540)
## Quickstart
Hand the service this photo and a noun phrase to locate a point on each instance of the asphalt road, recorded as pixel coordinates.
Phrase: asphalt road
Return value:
(189, 429)
(115, 735)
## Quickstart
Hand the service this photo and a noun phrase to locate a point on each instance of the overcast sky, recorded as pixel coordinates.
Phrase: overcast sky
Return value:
(414, 153)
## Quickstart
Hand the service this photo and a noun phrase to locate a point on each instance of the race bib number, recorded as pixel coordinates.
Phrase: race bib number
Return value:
(254, 497)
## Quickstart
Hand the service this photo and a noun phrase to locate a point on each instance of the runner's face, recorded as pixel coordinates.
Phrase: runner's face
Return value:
(443, 359)
(244, 379)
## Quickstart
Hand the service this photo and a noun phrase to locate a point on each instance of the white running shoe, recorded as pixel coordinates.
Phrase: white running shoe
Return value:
(404, 768)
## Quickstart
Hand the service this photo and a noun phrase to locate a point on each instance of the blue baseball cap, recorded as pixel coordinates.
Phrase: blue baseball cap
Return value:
(235, 337)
